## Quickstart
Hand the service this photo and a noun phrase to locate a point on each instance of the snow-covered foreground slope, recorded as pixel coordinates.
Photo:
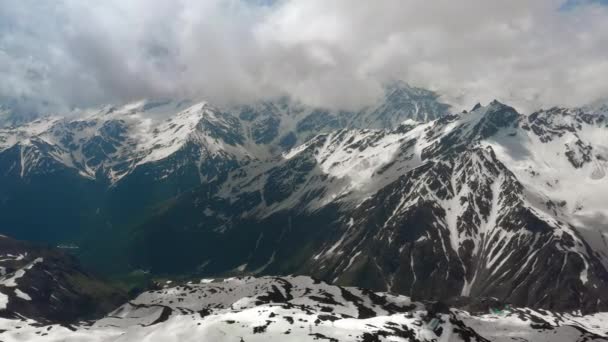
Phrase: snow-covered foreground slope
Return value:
(302, 309)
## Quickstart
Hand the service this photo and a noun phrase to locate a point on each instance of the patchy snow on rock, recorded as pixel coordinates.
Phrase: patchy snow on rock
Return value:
(10, 280)
(302, 309)
(22, 295)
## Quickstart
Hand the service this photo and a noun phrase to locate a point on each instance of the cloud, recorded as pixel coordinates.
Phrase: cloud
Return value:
(334, 53)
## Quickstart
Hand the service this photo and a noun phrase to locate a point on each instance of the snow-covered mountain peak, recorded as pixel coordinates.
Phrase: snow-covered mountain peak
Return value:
(10, 136)
(358, 162)
(198, 124)
(351, 164)
(115, 140)
(400, 102)
(150, 130)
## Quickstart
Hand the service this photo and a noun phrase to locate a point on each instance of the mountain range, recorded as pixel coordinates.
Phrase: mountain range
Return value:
(404, 196)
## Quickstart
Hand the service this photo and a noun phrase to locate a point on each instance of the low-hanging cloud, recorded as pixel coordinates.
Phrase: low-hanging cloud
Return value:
(335, 53)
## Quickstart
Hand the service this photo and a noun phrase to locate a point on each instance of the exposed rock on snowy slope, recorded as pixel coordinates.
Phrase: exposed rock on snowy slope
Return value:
(401, 102)
(302, 309)
(49, 286)
(285, 124)
(111, 142)
(474, 204)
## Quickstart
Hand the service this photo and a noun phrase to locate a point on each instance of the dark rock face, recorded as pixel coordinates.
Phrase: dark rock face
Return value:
(50, 286)
(517, 258)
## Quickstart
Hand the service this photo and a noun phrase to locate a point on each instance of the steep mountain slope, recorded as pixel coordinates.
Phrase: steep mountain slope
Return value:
(110, 163)
(284, 123)
(401, 102)
(105, 169)
(469, 204)
(108, 167)
(111, 143)
(464, 223)
(49, 286)
(303, 309)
